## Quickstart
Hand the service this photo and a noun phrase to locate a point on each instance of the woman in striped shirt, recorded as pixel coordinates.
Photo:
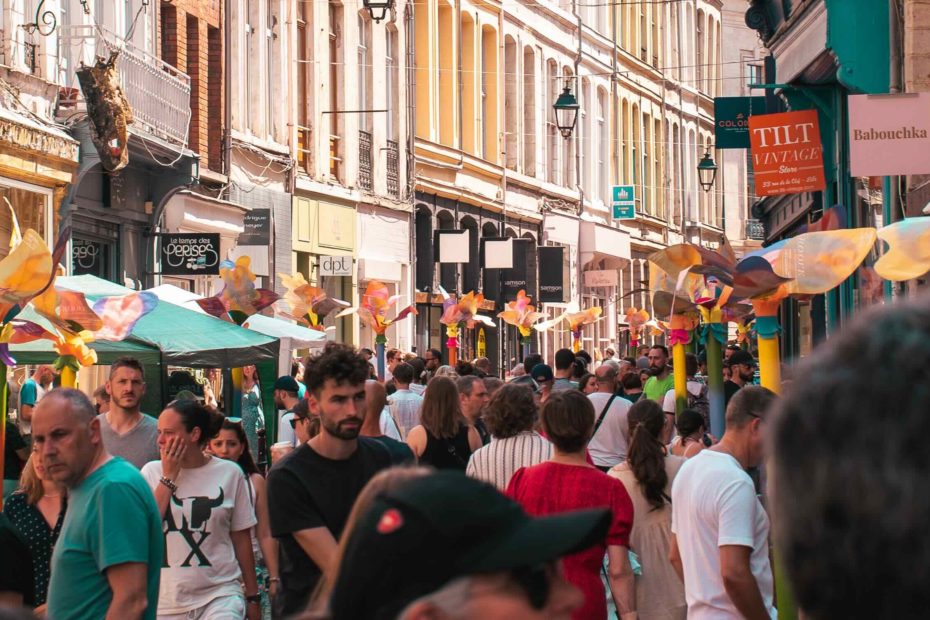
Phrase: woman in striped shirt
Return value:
(511, 417)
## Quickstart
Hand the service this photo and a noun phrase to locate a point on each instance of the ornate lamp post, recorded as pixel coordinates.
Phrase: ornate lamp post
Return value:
(707, 172)
(566, 112)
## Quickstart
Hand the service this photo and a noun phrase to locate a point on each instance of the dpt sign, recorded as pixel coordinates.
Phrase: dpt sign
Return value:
(624, 202)
(335, 265)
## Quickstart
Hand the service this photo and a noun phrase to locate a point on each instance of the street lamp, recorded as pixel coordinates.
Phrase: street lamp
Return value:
(566, 112)
(707, 172)
(378, 8)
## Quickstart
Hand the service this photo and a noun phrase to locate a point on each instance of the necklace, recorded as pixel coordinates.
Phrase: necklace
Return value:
(47, 496)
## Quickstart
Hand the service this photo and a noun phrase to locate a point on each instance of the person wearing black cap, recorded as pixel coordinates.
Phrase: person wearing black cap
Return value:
(311, 491)
(742, 371)
(285, 397)
(542, 375)
(445, 545)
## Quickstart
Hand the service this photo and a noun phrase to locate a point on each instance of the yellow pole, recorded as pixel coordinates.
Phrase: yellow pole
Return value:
(681, 377)
(68, 377)
(769, 364)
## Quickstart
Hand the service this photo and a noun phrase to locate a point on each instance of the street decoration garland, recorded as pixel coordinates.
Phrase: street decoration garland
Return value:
(576, 319)
(373, 309)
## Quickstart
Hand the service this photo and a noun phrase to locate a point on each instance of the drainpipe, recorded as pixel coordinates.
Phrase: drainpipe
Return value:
(891, 185)
(578, 91)
(227, 78)
(410, 197)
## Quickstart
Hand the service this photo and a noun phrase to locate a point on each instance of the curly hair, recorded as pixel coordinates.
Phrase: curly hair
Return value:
(338, 362)
(511, 411)
(646, 455)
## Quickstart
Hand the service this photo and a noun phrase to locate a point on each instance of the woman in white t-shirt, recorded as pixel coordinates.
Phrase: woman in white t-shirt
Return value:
(208, 516)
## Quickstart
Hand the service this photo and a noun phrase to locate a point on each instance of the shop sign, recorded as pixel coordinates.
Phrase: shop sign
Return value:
(452, 246)
(553, 283)
(256, 228)
(85, 257)
(624, 202)
(787, 155)
(190, 254)
(601, 278)
(335, 265)
(731, 120)
(889, 135)
(512, 280)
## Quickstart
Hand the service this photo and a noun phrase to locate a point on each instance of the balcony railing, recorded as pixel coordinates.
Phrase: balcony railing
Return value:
(755, 230)
(393, 168)
(159, 94)
(364, 160)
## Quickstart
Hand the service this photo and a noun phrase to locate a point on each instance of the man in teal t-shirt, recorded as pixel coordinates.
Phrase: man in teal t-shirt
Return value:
(662, 380)
(108, 557)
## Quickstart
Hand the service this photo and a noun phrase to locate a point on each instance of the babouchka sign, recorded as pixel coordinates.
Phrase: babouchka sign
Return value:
(190, 254)
(787, 155)
(889, 134)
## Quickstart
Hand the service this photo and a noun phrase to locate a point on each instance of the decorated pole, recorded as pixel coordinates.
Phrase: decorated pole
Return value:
(481, 349)
(576, 339)
(4, 393)
(767, 330)
(68, 377)
(713, 336)
(452, 331)
(679, 337)
(380, 341)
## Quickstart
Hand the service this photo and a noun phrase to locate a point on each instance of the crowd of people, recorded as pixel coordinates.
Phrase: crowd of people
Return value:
(557, 491)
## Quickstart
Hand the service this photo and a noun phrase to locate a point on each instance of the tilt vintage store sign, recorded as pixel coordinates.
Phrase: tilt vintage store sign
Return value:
(787, 155)
(889, 134)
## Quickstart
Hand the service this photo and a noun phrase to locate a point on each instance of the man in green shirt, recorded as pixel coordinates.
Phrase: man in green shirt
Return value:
(108, 557)
(662, 379)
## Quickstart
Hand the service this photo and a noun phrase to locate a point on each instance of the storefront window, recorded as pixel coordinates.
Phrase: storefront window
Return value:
(32, 206)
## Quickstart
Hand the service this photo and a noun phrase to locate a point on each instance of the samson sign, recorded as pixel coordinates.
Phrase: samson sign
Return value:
(889, 134)
(787, 155)
(553, 284)
(190, 254)
(731, 120)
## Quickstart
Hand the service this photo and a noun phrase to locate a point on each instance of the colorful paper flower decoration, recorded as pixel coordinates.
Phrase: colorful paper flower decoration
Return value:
(908, 254)
(521, 314)
(239, 298)
(306, 304)
(374, 307)
(636, 319)
(463, 310)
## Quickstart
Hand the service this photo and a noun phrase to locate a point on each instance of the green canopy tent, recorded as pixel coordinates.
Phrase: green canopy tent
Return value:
(180, 337)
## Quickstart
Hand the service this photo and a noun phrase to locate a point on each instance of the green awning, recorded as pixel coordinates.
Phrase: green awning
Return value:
(184, 337)
(41, 352)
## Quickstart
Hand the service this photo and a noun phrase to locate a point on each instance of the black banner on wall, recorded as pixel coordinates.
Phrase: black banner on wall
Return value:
(256, 228)
(503, 285)
(190, 254)
(553, 286)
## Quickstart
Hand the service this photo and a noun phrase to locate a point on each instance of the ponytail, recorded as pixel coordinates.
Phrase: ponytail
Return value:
(646, 454)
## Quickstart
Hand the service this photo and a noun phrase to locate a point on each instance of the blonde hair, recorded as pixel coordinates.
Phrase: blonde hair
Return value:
(385, 481)
(30, 484)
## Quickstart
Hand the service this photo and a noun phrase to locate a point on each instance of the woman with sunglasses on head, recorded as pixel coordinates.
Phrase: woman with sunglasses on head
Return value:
(37, 510)
(208, 518)
(568, 482)
(647, 474)
(231, 444)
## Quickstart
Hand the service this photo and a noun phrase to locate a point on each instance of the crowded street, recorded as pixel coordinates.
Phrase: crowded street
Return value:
(433, 310)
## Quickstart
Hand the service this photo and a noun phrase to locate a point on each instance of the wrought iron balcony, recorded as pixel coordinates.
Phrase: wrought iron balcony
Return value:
(159, 94)
(393, 168)
(755, 230)
(364, 160)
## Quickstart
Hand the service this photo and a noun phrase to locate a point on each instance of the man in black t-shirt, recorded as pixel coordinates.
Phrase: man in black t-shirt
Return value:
(742, 371)
(311, 490)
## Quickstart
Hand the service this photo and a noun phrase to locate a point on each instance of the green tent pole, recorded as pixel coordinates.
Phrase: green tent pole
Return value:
(4, 392)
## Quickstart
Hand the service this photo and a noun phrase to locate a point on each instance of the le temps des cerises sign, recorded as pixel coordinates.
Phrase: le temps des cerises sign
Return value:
(787, 155)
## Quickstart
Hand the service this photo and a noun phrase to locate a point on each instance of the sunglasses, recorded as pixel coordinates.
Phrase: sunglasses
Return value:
(295, 420)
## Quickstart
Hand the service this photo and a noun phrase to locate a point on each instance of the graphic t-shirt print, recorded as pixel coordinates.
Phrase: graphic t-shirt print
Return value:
(200, 563)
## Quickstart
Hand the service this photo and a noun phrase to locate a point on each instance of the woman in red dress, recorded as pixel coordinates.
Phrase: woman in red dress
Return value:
(569, 482)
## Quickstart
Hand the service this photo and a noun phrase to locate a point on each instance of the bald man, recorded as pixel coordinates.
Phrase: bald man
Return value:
(377, 417)
(108, 557)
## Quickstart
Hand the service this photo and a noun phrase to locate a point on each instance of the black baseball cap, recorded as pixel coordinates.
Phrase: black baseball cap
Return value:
(417, 538)
(542, 372)
(742, 357)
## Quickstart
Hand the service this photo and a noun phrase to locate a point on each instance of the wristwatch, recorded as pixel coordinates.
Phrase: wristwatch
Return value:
(255, 598)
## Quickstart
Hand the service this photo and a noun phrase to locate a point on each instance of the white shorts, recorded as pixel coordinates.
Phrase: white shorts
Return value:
(229, 607)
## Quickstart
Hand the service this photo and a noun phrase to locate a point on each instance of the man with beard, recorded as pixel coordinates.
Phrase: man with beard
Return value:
(311, 491)
(126, 431)
(742, 371)
(662, 380)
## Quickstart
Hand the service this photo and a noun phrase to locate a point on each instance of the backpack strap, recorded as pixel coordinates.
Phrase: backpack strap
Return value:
(600, 418)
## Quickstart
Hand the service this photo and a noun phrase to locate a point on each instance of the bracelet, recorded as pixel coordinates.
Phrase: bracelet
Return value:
(273, 579)
(255, 598)
(168, 483)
